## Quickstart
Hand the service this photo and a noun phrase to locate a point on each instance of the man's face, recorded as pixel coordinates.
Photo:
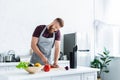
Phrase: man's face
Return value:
(54, 27)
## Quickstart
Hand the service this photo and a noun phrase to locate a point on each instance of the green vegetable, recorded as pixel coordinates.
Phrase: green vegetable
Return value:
(22, 65)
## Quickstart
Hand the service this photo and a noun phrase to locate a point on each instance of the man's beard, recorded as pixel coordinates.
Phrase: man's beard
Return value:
(51, 30)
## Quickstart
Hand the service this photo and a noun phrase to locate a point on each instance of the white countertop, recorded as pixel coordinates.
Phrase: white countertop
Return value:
(22, 74)
(8, 64)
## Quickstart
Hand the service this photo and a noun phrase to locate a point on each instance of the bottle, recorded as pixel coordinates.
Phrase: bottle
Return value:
(73, 58)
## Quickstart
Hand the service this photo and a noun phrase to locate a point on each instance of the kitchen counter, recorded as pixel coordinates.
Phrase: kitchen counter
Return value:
(8, 64)
(80, 73)
(12, 65)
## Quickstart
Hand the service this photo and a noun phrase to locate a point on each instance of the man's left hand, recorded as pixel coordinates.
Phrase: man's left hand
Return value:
(55, 65)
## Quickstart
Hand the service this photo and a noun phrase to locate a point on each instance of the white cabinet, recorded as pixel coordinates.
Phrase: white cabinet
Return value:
(67, 77)
(80, 73)
(82, 76)
(89, 76)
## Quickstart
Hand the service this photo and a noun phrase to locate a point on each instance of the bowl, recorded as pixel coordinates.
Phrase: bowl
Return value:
(33, 70)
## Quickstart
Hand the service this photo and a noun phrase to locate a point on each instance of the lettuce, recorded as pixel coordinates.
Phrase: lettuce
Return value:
(22, 65)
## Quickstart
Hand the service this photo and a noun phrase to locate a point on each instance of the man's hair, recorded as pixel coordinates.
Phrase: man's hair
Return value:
(60, 21)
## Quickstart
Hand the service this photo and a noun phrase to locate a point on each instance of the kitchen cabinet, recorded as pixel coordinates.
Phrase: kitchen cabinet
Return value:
(90, 76)
(67, 77)
(80, 73)
(84, 76)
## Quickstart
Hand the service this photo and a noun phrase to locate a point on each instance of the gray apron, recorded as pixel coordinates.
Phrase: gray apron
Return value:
(45, 46)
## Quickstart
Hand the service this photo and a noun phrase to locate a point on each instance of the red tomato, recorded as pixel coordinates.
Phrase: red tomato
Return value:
(47, 68)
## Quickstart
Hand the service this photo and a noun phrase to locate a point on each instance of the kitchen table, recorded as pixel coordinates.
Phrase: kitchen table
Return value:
(80, 73)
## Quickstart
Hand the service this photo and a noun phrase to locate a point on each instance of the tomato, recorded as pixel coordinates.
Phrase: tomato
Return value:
(47, 68)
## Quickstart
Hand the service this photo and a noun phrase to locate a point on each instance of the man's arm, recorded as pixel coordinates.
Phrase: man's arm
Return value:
(57, 52)
(36, 49)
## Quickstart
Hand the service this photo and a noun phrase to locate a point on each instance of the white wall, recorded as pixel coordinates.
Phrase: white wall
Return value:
(107, 11)
(112, 13)
(99, 9)
(18, 19)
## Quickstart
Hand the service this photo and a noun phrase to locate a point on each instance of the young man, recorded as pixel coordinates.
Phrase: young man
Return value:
(43, 40)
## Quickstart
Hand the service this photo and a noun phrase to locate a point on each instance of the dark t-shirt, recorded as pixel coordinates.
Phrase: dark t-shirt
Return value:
(46, 34)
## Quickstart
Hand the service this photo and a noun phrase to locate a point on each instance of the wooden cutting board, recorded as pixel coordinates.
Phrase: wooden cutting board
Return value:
(56, 69)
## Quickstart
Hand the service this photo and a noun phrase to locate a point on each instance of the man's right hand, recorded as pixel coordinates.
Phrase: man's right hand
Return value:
(45, 60)
(35, 48)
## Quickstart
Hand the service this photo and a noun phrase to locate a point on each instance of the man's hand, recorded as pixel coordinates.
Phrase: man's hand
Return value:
(55, 65)
(45, 60)
(37, 51)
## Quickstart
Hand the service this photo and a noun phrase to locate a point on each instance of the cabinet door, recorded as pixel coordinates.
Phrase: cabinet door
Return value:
(67, 77)
(90, 76)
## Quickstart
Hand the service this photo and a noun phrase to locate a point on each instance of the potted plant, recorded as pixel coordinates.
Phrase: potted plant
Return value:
(101, 62)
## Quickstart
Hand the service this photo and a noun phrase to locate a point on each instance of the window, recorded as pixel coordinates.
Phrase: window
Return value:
(107, 35)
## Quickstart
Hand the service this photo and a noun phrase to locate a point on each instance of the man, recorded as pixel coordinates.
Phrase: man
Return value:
(43, 40)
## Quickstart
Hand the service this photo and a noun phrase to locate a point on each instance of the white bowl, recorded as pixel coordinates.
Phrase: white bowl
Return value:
(33, 70)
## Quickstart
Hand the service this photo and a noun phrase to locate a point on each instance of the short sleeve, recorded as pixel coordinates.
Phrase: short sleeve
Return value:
(58, 35)
(38, 30)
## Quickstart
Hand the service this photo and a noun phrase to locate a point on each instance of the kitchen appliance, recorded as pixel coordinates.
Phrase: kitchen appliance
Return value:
(1, 57)
(16, 59)
(9, 57)
(81, 39)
